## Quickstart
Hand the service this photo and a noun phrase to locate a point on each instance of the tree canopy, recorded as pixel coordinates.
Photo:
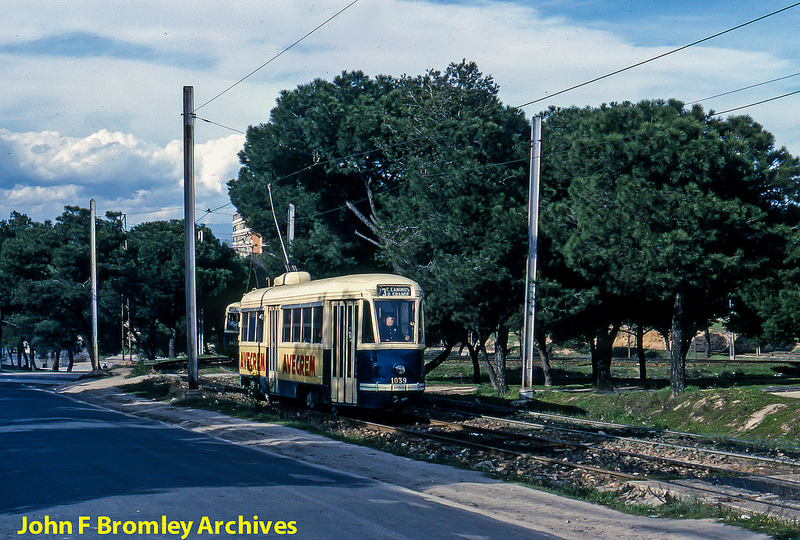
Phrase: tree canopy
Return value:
(45, 282)
(662, 213)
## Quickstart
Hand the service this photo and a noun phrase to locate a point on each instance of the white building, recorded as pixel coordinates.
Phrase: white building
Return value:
(245, 241)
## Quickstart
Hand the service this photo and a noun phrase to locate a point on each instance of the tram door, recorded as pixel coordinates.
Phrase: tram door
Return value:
(343, 353)
(272, 348)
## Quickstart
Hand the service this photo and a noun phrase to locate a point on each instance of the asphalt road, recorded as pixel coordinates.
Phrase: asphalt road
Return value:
(71, 470)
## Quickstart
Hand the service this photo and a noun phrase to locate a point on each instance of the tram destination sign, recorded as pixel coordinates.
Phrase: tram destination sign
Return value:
(394, 290)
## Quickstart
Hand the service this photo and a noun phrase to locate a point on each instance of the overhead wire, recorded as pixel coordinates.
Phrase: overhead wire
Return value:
(329, 19)
(758, 102)
(283, 51)
(659, 56)
(749, 87)
(221, 125)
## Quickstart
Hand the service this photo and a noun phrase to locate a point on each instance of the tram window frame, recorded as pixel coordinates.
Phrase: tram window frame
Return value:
(252, 326)
(302, 323)
(306, 322)
(232, 322)
(259, 334)
(243, 324)
(367, 329)
(404, 312)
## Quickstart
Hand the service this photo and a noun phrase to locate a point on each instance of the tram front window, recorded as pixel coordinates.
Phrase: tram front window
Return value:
(395, 320)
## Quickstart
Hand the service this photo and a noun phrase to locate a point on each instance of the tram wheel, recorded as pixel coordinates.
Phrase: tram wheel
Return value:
(312, 400)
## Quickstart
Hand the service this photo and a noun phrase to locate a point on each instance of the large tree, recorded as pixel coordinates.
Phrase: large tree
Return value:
(653, 204)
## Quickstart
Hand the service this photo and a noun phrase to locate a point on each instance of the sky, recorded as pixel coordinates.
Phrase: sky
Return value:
(92, 91)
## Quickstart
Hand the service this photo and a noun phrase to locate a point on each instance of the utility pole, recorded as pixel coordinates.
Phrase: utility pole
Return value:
(526, 391)
(93, 256)
(188, 209)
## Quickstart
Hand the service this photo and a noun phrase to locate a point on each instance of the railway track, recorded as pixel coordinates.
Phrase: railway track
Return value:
(718, 485)
(595, 430)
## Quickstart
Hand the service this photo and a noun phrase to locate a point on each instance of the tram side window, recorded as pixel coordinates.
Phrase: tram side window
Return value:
(252, 325)
(307, 321)
(395, 320)
(287, 325)
(244, 322)
(316, 325)
(302, 324)
(259, 334)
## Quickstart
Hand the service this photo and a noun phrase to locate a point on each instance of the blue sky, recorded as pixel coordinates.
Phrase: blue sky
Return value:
(92, 90)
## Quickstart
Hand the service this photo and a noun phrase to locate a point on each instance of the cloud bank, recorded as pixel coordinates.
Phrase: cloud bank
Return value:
(44, 171)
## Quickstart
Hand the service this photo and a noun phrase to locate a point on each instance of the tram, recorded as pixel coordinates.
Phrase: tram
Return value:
(352, 340)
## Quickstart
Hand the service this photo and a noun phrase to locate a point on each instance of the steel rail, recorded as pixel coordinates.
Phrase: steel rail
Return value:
(557, 462)
(610, 425)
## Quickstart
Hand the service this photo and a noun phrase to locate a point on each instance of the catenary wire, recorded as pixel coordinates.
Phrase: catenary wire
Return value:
(221, 125)
(757, 103)
(756, 85)
(637, 64)
(329, 19)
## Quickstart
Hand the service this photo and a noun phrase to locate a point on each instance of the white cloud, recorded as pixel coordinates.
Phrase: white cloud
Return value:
(215, 161)
(45, 171)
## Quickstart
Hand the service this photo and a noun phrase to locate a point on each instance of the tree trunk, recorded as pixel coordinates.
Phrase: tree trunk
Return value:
(476, 362)
(679, 346)
(640, 352)
(440, 358)
(541, 341)
(71, 356)
(604, 348)
(474, 353)
(500, 355)
(707, 335)
(56, 359)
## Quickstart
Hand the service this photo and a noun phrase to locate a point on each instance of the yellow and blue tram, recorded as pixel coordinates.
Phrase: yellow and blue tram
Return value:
(346, 341)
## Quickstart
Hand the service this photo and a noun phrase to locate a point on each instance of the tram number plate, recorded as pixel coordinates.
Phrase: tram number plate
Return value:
(399, 380)
(393, 290)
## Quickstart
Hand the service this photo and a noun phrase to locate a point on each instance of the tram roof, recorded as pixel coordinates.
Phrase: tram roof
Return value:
(340, 287)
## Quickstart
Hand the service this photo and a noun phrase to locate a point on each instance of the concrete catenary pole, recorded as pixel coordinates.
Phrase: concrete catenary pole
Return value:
(93, 257)
(527, 392)
(188, 204)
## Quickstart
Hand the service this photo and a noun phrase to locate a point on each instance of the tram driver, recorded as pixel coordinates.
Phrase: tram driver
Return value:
(390, 331)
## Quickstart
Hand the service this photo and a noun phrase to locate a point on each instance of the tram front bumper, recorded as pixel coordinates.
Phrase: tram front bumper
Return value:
(389, 387)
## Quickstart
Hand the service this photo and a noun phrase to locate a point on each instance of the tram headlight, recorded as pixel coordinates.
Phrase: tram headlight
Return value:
(399, 369)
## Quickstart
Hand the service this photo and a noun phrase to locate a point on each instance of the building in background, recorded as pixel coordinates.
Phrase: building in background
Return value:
(245, 241)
